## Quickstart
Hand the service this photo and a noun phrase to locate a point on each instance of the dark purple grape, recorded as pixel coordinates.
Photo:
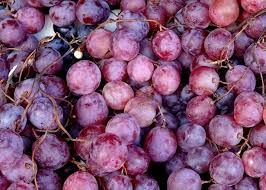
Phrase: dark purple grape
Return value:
(4, 183)
(160, 144)
(114, 70)
(48, 180)
(31, 19)
(30, 44)
(119, 182)
(256, 26)
(185, 59)
(247, 183)
(50, 152)
(3, 69)
(144, 182)
(226, 168)
(21, 185)
(167, 119)
(226, 101)
(92, 11)
(242, 42)
(80, 180)
(184, 179)
(176, 163)
(146, 49)
(27, 89)
(258, 136)
(63, 14)
(17, 58)
(49, 3)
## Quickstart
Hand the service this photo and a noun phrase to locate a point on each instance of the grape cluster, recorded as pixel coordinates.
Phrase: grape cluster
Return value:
(132, 94)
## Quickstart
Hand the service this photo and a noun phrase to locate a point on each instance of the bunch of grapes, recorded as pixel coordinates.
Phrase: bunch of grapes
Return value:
(132, 94)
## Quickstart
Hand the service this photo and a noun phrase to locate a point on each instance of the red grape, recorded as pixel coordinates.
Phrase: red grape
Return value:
(98, 43)
(119, 182)
(35, 3)
(166, 79)
(256, 26)
(92, 11)
(190, 136)
(143, 109)
(248, 109)
(171, 6)
(91, 109)
(16, 58)
(140, 69)
(150, 92)
(134, 6)
(31, 18)
(48, 180)
(160, 144)
(125, 127)
(184, 179)
(166, 44)
(156, 13)
(114, 70)
(80, 180)
(224, 12)
(21, 185)
(50, 152)
(144, 182)
(242, 42)
(83, 77)
(218, 44)
(200, 110)
(27, 89)
(247, 183)
(241, 79)
(176, 163)
(146, 49)
(167, 119)
(255, 162)
(226, 168)
(202, 60)
(108, 151)
(258, 136)
(63, 14)
(204, 81)
(262, 183)
(219, 187)
(196, 15)
(253, 6)
(138, 161)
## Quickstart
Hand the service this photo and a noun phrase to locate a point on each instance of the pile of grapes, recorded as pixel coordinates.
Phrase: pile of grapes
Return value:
(132, 94)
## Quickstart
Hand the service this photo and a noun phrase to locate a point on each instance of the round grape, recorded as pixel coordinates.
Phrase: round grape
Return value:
(144, 182)
(257, 136)
(119, 182)
(48, 180)
(114, 70)
(253, 6)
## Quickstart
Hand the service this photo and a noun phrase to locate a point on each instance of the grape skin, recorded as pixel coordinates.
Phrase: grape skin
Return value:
(4, 183)
(262, 183)
(242, 42)
(258, 136)
(144, 182)
(247, 183)
(176, 163)
(114, 70)
(28, 89)
(253, 6)
(157, 13)
(220, 187)
(48, 180)
(119, 182)
(134, 6)
(256, 27)
(21, 185)
(171, 6)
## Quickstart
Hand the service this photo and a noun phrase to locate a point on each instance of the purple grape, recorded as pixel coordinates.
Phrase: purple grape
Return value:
(176, 163)
(3, 69)
(4, 183)
(17, 58)
(48, 180)
(49, 3)
(30, 44)
(220, 187)
(247, 183)
(21, 185)
(144, 182)
(119, 182)
(28, 89)
(114, 70)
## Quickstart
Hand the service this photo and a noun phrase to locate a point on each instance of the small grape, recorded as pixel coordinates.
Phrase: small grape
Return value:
(256, 26)
(226, 101)
(176, 163)
(21, 185)
(258, 136)
(48, 180)
(16, 58)
(144, 182)
(157, 13)
(119, 182)
(28, 89)
(167, 119)
(146, 49)
(242, 42)
(149, 91)
(247, 183)
(3, 69)
(30, 44)
(185, 59)
(202, 60)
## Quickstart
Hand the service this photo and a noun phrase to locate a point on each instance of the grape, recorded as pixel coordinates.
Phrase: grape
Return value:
(48, 61)
(224, 131)
(255, 58)
(247, 183)
(24, 169)
(4, 183)
(3, 69)
(258, 136)
(70, 30)
(207, 2)
(192, 41)
(83, 77)
(190, 136)
(144, 182)
(171, 6)
(146, 49)
(58, 44)
(134, 6)
(200, 110)
(12, 117)
(242, 42)
(149, 91)
(138, 161)
(63, 14)
(176, 163)
(226, 102)
(113, 2)
(224, 12)
(27, 89)
(166, 79)
(218, 44)
(119, 182)
(48, 180)
(114, 70)
(199, 159)
(108, 151)
(50, 152)
(262, 183)
(156, 13)
(91, 109)
(80, 180)
(226, 168)
(125, 127)
(248, 109)
(202, 60)
(98, 43)
(16, 58)
(186, 94)
(185, 59)
(256, 26)
(255, 162)
(220, 187)
(160, 144)
(11, 148)
(136, 26)
(184, 179)
(143, 109)
(167, 119)
(21, 185)
(240, 79)
(140, 69)
(92, 11)
(34, 3)
(196, 15)
(204, 81)
(53, 86)
(123, 47)
(31, 18)
(18, 4)
(30, 44)
(11, 32)
(41, 113)
(49, 3)
(87, 134)
(173, 103)
(253, 6)
(166, 45)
